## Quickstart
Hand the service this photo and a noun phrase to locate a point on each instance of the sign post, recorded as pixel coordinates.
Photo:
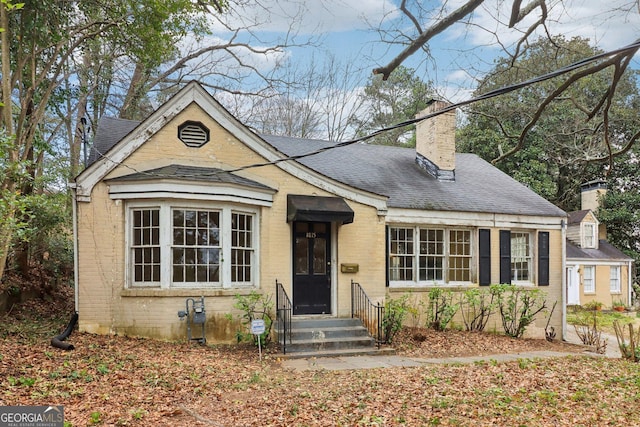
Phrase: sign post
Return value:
(257, 328)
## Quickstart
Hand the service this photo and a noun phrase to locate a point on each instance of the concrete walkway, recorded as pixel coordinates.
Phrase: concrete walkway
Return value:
(391, 361)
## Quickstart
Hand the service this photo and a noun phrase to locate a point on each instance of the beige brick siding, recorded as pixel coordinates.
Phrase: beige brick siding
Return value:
(106, 305)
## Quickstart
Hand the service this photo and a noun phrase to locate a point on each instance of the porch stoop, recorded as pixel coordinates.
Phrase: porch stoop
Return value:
(330, 337)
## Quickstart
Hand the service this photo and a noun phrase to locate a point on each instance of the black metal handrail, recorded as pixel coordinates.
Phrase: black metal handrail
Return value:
(284, 310)
(370, 314)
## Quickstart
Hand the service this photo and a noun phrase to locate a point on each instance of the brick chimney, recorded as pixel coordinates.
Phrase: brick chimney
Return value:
(436, 142)
(591, 194)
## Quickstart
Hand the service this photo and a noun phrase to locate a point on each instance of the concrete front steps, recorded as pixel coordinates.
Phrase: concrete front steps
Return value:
(330, 337)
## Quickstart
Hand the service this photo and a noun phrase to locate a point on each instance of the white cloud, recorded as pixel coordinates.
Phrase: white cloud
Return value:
(310, 17)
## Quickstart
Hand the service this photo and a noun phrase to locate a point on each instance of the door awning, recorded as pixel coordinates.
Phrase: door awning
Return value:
(318, 209)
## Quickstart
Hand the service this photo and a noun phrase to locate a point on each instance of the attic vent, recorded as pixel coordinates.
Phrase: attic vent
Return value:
(193, 134)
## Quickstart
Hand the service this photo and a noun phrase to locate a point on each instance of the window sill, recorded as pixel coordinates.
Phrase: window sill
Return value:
(185, 292)
(428, 288)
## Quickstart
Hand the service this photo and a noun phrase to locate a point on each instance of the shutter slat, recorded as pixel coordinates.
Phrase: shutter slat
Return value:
(543, 258)
(484, 255)
(505, 256)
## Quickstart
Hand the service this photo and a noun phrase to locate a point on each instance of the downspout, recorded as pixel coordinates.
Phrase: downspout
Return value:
(629, 284)
(75, 244)
(563, 226)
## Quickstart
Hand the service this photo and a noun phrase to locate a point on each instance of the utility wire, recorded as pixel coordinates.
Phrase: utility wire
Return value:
(491, 94)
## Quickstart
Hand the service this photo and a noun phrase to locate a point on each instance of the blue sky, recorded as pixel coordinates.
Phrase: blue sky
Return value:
(461, 54)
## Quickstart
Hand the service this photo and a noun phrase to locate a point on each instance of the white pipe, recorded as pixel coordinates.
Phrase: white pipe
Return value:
(629, 288)
(75, 245)
(564, 279)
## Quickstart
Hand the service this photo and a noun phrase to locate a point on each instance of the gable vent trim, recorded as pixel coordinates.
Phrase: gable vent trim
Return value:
(193, 134)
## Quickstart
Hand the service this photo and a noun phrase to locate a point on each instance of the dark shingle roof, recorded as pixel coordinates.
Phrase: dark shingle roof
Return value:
(393, 172)
(576, 217)
(605, 251)
(192, 173)
(110, 130)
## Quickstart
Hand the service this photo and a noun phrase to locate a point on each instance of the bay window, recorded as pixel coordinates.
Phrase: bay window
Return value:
(196, 247)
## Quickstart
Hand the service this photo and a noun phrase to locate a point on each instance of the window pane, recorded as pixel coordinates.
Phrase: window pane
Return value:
(520, 257)
(196, 246)
(319, 256)
(431, 258)
(401, 254)
(145, 245)
(241, 247)
(301, 253)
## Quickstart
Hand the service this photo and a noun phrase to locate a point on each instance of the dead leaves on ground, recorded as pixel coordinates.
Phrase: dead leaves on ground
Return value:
(128, 381)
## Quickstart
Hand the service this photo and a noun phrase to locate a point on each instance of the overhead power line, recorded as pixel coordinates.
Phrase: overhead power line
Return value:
(491, 94)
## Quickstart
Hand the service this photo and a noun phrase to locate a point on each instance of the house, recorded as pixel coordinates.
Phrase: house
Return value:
(191, 203)
(596, 270)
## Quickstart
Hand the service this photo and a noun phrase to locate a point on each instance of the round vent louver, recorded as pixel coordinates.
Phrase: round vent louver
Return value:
(193, 134)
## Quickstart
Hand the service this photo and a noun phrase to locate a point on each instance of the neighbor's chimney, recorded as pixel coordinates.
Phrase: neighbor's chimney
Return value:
(436, 142)
(591, 194)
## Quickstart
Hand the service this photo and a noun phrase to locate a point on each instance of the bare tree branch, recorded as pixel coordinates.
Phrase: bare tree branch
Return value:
(427, 35)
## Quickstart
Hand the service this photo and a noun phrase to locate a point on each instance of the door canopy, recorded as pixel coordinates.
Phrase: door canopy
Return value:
(318, 209)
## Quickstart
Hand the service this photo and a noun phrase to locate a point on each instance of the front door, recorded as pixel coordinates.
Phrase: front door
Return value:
(573, 286)
(311, 268)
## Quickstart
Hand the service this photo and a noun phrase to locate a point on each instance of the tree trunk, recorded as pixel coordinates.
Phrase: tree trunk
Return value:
(7, 121)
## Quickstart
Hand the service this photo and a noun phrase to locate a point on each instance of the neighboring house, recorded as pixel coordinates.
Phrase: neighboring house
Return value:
(596, 270)
(192, 203)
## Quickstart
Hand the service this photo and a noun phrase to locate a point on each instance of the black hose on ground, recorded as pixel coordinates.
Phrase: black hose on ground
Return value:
(58, 340)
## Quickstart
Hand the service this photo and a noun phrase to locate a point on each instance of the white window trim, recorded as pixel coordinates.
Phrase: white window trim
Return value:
(593, 234)
(166, 275)
(593, 279)
(532, 259)
(417, 283)
(615, 280)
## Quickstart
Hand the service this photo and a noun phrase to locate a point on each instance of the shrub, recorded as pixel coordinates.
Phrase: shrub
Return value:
(395, 311)
(631, 350)
(254, 306)
(441, 308)
(518, 307)
(477, 306)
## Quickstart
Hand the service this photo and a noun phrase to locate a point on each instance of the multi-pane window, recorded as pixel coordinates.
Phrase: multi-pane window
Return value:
(145, 246)
(431, 259)
(437, 256)
(614, 274)
(196, 246)
(401, 254)
(241, 247)
(589, 235)
(191, 247)
(459, 256)
(521, 259)
(588, 279)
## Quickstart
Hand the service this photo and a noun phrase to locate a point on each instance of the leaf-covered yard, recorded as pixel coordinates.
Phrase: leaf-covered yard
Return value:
(128, 381)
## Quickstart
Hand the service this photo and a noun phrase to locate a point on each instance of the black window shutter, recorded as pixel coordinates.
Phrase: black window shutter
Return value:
(543, 258)
(387, 243)
(505, 256)
(484, 255)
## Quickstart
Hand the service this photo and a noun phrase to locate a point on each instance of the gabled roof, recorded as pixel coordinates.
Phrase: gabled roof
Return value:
(382, 175)
(393, 172)
(576, 217)
(605, 252)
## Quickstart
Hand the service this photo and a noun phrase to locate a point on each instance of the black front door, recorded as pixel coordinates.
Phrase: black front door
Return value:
(311, 268)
